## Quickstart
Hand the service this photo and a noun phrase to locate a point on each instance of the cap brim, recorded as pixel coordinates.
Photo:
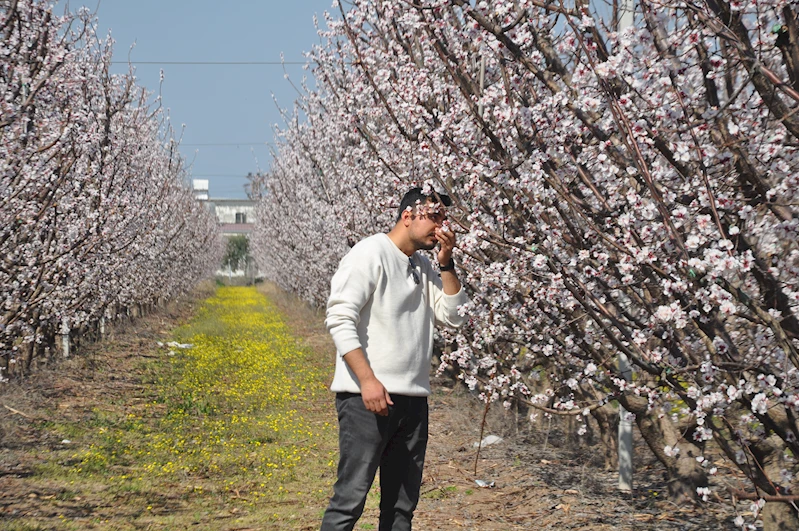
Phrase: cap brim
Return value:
(445, 199)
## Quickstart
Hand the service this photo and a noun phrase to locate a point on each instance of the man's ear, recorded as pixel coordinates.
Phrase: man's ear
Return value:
(406, 217)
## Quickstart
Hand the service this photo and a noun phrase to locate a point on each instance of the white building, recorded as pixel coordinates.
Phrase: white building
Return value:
(235, 217)
(200, 189)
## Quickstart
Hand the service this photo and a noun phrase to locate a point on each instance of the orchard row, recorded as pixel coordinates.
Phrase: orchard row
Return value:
(95, 218)
(617, 191)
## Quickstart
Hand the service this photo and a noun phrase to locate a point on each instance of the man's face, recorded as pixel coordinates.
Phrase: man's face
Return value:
(426, 220)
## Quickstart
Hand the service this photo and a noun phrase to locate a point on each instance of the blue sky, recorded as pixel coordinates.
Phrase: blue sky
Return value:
(228, 110)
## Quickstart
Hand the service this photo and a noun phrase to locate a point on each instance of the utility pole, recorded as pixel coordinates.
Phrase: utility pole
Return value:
(625, 434)
(64, 337)
(626, 20)
(482, 82)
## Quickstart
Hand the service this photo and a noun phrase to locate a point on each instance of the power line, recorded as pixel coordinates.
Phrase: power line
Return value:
(202, 63)
(225, 144)
(219, 175)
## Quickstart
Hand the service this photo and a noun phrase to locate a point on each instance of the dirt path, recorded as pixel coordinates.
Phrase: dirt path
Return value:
(539, 482)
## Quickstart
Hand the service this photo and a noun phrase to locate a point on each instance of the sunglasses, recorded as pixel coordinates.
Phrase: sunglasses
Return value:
(413, 270)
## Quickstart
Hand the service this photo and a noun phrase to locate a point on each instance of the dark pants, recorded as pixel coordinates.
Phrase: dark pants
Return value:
(396, 444)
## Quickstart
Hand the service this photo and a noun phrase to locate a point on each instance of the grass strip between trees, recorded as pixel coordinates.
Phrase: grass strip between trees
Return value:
(236, 432)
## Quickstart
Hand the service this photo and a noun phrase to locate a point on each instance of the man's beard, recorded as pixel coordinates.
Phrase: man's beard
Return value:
(428, 246)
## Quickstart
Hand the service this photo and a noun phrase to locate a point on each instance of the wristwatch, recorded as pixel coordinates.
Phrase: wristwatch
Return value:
(449, 267)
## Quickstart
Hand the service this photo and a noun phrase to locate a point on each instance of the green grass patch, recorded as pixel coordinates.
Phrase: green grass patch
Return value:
(237, 431)
(442, 493)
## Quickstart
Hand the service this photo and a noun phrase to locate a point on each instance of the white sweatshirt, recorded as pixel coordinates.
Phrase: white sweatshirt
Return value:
(376, 304)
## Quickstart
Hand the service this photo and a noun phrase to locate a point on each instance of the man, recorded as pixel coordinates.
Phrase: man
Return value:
(385, 300)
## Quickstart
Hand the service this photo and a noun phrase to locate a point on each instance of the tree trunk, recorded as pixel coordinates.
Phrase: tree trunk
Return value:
(683, 472)
(607, 418)
(30, 353)
(49, 342)
(770, 455)
(5, 359)
(686, 474)
(778, 516)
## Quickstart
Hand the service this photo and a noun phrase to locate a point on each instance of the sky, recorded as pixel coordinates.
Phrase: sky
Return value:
(225, 113)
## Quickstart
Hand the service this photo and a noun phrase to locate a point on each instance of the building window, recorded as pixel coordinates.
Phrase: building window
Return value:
(241, 217)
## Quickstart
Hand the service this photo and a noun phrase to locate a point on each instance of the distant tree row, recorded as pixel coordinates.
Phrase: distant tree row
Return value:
(617, 192)
(95, 218)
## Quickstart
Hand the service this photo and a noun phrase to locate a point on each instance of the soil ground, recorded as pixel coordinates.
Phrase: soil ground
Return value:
(540, 478)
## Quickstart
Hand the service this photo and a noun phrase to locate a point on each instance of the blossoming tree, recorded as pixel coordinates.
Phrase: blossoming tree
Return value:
(616, 193)
(94, 214)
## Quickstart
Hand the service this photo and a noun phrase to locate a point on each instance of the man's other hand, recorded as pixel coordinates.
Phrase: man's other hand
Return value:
(375, 397)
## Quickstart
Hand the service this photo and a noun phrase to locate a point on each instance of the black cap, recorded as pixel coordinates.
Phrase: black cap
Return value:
(415, 195)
